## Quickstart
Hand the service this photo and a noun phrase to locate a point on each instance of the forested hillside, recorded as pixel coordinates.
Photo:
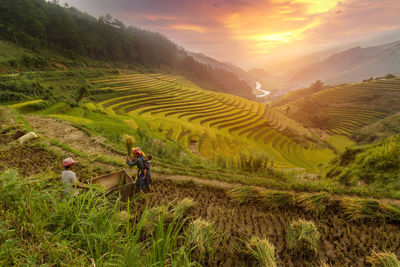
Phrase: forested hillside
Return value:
(39, 25)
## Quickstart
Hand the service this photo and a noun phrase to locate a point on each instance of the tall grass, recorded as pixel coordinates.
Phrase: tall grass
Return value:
(86, 229)
(303, 237)
(255, 163)
(262, 250)
(383, 259)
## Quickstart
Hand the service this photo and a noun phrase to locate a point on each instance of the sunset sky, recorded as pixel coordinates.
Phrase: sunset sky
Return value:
(244, 31)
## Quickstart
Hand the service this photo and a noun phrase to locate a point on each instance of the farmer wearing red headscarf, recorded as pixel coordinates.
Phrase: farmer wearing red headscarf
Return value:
(137, 161)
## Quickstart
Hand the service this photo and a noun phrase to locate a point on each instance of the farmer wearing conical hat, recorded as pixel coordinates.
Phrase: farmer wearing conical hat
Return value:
(68, 177)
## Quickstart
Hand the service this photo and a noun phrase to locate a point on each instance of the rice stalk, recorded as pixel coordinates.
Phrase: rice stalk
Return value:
(390, 212)
(303, 237)
(152, 216)
(263, 251)
(383, 259)
(362, 209)
(323, 264)
(314, 203)
(200, 238)
(243, 194)
(276, 199)
(183, 206)
(129, 142)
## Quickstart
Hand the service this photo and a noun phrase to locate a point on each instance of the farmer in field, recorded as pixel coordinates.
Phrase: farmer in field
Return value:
(147, 173)
(137, 161)
(68, 177)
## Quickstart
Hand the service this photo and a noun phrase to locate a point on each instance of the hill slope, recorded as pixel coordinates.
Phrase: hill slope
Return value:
(52, 31)
(344, 109)
(203, 59)
(353, 65)
(209, 124)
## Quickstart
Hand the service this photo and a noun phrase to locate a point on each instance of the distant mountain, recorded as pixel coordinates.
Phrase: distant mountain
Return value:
(287, 68)
(352, 65)
(259, 73)
(206, 60)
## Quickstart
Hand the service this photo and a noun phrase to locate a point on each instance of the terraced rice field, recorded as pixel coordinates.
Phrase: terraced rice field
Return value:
(204, 120)
(342, 242)
(347, 120)
(352, 106)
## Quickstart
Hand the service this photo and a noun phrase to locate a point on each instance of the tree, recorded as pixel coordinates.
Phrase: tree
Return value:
(317, 86)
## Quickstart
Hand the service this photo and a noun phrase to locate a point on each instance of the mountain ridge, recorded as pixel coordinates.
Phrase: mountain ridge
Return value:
(353, 65)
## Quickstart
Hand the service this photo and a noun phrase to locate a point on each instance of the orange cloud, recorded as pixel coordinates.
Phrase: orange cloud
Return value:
(279, 22)
(188, 27)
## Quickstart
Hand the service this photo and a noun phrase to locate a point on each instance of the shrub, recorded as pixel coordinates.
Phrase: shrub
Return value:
(383, 259)
(11, 188)
(262, 250)
(303, 237)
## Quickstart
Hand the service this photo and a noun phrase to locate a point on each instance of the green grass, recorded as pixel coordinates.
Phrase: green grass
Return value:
(40, 226)
(377, 165)
(340, 142)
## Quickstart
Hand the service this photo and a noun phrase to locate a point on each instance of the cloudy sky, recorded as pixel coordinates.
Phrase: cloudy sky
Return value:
(245, 31)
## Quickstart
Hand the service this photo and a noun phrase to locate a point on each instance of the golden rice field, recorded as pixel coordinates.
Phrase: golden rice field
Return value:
(353, 106)
(208, 123)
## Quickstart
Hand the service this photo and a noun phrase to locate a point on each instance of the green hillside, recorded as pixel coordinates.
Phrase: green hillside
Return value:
(214, 126)
(211, 124)
(379, 130)
(376, 165)
(343, 110)
(49, 36)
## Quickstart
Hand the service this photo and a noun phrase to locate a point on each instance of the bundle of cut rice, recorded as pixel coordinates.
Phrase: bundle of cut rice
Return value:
(129, 142)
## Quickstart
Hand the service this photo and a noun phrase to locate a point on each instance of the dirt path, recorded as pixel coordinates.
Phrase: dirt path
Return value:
(201, 181)
(70, 135)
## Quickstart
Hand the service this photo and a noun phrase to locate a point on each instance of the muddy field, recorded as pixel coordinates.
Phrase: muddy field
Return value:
(32, 159)
(342, 243)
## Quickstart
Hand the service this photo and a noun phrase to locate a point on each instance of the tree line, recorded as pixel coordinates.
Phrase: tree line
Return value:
(39, 24)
